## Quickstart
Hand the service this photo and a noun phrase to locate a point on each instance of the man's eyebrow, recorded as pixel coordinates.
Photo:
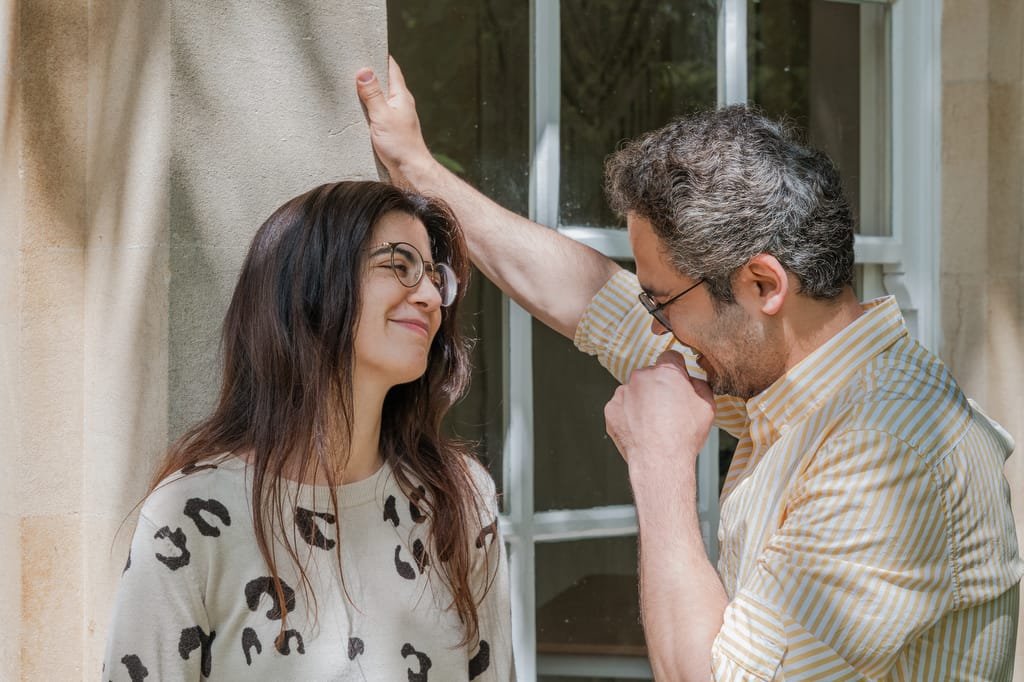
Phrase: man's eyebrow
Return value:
(653, 292)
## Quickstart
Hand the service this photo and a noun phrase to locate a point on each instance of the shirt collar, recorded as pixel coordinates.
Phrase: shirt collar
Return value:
(816, 378)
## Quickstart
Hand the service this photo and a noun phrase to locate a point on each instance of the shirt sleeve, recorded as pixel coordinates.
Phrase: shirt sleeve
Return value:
(491, 659)
(159, 628)
(617, 329)
(858, 568)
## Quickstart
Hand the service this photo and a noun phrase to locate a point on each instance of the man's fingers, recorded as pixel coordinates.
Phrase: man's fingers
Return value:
(611, 414)
(396, 81)
(677, 360)
(369, 90)
(674, 358)
(703, 390)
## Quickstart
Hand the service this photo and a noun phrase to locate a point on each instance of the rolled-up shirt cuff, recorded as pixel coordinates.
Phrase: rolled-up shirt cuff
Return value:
(751, 644)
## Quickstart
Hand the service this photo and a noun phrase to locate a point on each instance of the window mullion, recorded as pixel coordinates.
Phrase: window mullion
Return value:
(916, 28)
(545, 87)
(732, 52)
(612, 242)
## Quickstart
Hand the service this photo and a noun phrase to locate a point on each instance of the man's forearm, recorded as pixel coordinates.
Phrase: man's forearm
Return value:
(681, 595)
(550, 275)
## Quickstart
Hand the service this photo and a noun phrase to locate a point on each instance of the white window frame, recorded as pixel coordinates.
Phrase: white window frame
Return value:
(908, 260)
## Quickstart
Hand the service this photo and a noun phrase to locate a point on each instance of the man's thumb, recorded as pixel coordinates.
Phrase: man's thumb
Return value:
(672, 357)
(368, 87)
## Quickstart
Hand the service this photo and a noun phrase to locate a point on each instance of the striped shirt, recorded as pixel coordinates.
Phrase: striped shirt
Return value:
(865, 530)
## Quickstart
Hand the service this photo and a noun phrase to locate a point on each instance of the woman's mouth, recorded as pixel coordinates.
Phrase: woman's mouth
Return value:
(417, 326)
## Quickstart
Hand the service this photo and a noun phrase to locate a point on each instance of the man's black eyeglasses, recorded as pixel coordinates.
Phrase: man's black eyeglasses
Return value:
(657, 310)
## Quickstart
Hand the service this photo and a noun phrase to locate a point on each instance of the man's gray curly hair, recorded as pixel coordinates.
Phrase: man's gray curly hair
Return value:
(722, 186)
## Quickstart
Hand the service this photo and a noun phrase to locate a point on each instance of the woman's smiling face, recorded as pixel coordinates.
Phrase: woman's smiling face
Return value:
(397, 324)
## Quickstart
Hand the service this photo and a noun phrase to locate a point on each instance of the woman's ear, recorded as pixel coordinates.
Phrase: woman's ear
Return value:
(763, 283)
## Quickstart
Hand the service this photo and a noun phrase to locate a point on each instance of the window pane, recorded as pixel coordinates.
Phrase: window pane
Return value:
(576, 464)
(587, 598)
(467, 63)
(868, 281)
(626, 68)
(822, 66)
(726, 448)
(478, 416)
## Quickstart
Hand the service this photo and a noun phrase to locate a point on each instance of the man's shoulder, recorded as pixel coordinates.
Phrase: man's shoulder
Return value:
(909, 394)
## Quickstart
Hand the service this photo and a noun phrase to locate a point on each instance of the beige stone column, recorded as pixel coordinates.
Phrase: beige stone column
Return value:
(983, 217)
(51, 76)
(10, 344)
(1004, 272)
(143, 144)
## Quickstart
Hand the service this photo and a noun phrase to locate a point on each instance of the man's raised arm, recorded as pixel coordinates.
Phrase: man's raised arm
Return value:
(550, 275)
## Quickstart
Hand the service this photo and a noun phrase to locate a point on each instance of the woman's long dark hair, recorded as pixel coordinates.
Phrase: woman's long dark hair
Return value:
(287, 388)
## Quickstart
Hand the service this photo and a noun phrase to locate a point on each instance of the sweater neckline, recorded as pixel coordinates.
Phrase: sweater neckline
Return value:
(318, 497)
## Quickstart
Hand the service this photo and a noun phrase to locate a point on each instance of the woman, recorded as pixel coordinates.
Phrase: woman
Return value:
(318, 525)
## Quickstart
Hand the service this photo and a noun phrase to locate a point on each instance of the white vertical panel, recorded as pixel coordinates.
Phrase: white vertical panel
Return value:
(917, 169)
(732, 52)
(545, 89)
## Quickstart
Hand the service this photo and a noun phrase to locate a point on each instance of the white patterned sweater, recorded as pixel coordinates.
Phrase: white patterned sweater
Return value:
(196, 602)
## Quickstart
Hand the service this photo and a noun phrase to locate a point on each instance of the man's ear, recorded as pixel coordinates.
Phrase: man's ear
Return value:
(764, 283)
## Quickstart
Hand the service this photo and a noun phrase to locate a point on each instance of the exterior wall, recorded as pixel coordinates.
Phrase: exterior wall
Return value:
(10, 344)
(143, 144)
(982, 271)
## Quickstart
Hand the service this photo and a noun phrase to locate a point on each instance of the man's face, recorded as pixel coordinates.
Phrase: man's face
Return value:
(740, 350)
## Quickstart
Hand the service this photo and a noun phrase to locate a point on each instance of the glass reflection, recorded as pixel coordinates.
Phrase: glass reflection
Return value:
(626, 68)
(587, 598)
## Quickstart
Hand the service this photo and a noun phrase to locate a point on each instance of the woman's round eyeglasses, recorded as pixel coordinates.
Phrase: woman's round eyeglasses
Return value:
(657, 310)
(408, 265)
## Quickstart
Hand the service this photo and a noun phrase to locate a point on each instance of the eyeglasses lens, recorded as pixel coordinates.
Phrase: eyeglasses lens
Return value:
(407, 264)
(444, 278)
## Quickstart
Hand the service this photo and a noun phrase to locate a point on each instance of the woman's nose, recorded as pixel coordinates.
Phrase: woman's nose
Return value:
(426, 294)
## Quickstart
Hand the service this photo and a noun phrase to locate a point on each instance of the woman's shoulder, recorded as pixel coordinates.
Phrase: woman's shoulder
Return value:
(485, 490)
(482, 479)
(206, 492)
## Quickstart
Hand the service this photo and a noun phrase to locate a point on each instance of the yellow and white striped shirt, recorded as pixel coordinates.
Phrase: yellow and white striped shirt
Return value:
(866, 530)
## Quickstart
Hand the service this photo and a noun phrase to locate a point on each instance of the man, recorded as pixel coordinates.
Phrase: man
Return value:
(865, 521)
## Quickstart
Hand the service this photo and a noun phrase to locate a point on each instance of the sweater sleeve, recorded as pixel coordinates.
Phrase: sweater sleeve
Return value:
(491, 659)
(159, 627)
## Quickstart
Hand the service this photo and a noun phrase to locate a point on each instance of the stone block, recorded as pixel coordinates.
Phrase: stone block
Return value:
(10, 596)
(10, 297)
(264, 108)
(1003, 343)
(202, 281)
(1006, 179)
(51, 598)
(965, 29)
(129, 131)
(963, 314)
(53, 58)
(51, 377)
(965, 177)
(106, 540)
(1006, 40)
(125, 369)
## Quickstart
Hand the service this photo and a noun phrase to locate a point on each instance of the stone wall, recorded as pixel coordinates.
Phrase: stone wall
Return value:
(982, 271)
(143, 144)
